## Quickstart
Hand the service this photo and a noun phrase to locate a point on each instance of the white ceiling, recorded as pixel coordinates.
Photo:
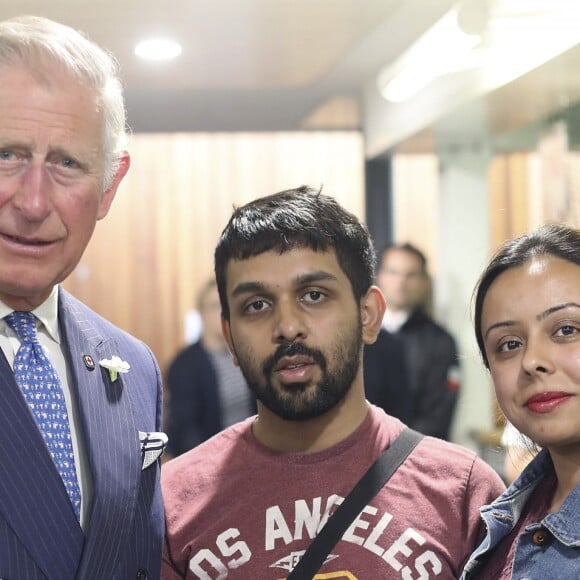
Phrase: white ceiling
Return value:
(258, 65)
(246, 64)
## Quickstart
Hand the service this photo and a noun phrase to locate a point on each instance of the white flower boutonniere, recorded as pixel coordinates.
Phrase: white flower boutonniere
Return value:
(115, 365)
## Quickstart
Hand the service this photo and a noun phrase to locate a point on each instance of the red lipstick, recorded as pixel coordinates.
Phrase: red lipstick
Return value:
(546, 402)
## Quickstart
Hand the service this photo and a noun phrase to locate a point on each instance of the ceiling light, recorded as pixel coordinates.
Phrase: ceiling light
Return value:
(158, 49)
(436, 52)
(516, 37)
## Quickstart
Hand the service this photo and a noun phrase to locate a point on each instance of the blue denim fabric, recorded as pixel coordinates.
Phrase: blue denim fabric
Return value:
(559, 558)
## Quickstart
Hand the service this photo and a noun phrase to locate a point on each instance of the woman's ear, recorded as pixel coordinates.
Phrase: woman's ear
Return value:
(372, 309)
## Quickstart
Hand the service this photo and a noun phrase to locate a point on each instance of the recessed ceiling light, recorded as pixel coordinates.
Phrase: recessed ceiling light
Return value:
(158, 49)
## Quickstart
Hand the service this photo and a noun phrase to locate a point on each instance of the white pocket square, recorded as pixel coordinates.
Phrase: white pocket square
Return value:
(152, 447)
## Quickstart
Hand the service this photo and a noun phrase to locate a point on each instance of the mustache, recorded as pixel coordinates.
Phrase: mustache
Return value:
(293, 349)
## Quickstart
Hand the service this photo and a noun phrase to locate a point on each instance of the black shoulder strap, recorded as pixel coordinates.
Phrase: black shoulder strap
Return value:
(368, 486)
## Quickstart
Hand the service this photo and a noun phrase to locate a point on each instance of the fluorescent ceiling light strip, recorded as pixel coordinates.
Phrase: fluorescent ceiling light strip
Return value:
(516, 41)
(441, 47)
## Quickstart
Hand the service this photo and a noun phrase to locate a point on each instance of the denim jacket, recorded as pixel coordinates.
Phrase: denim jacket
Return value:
(539, 555)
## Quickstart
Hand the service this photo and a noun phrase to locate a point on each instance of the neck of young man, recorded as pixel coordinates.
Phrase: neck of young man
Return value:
(312, 435)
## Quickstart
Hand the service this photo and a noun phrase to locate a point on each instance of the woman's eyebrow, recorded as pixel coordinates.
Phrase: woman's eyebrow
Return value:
(503, 324)
(556, 308)
(541, 316)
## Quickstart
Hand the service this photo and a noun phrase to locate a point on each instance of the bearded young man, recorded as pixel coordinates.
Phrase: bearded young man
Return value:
(294, 273)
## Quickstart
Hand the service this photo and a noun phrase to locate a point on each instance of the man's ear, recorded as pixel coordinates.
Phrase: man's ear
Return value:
(109, 193)
(372, 309)
(227, 332)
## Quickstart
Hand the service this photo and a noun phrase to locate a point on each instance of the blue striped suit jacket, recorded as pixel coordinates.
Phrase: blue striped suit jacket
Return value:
(40, 537)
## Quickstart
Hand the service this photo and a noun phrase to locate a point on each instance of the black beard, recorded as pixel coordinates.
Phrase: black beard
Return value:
(292, 402)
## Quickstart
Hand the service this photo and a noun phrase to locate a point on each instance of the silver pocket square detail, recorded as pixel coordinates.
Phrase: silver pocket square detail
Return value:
(152, 447)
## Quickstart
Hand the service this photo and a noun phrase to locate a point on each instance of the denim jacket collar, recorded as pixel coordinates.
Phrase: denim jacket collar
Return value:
(511, 503)
(501, 515)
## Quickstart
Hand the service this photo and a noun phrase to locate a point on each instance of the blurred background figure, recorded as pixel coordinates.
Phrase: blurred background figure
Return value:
(206, 391)
(430, 372)
(385, 374)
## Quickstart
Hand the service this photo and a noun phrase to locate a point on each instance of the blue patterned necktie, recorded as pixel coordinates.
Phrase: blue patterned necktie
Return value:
(39, 382)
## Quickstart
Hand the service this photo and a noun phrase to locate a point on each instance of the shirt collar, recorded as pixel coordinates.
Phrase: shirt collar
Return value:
(47, 313)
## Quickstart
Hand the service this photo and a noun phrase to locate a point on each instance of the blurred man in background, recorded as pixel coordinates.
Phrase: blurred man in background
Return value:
(207, 392)
(431, 369)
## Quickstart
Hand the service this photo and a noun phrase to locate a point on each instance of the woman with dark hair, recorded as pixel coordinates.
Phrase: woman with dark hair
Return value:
(527, 324)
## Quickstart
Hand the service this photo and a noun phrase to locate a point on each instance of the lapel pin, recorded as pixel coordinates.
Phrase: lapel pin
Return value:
(89, 362)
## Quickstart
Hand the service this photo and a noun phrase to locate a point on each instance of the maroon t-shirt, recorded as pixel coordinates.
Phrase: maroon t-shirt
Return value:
(238, 510)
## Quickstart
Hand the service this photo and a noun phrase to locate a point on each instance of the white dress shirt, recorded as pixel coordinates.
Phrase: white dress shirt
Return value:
(392, 321)
(49, 337)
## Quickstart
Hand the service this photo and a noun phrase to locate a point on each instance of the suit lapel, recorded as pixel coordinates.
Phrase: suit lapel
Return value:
(31, 489)
(111, 441)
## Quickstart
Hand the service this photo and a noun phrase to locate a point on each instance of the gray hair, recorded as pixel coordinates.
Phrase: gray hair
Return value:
(32, 41)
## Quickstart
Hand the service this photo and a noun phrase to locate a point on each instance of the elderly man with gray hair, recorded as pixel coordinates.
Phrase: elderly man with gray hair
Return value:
(81, 400)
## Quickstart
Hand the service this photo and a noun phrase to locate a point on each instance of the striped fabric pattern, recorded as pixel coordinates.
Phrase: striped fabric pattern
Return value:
(40, 537)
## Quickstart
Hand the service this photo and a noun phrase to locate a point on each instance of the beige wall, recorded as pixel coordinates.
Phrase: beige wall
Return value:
(416, 204)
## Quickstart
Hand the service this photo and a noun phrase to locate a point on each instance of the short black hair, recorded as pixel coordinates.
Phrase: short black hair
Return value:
(406, 247)
(556, 240)
(301, 217)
